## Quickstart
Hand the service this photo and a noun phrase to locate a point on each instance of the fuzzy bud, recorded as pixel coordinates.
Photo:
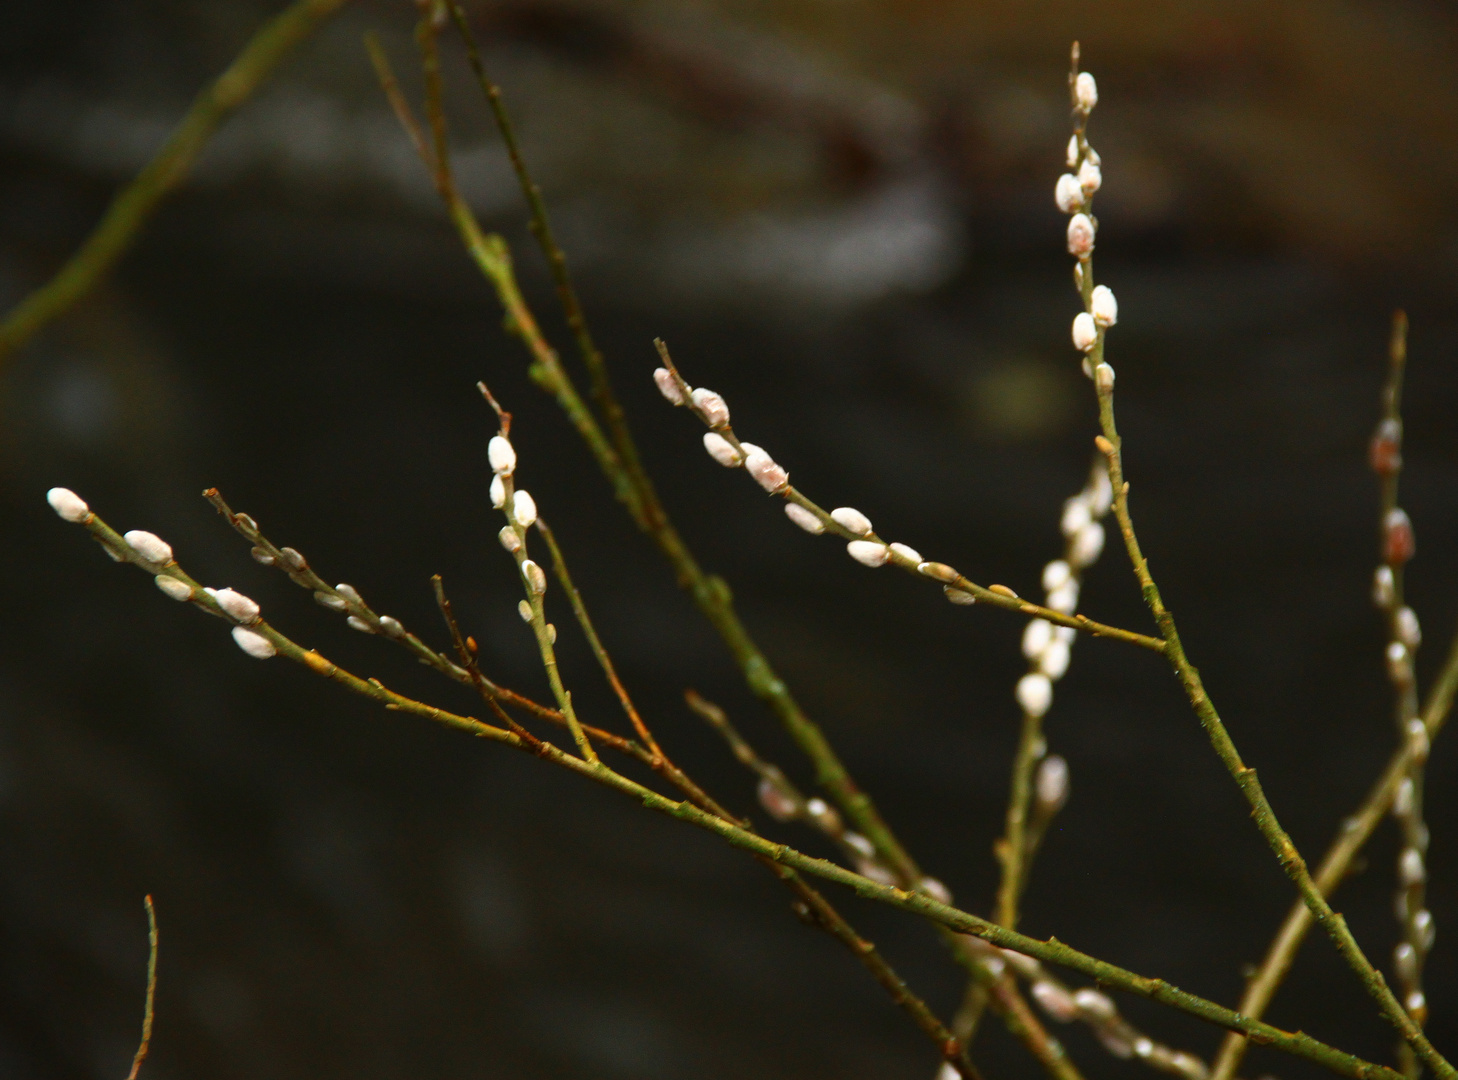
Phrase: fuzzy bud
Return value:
(509, 540)
(523, 509)
(1402, 797)
(668, 385)
(524, 610)
(498, 492)
(260, 556)
(1385, 450)
(767, 474)
(1410, 868)
(502, 455)
(391, 626)
(880, 874)
(1088, 544)
(1071, 159)
(1051, 782)
(1404, 959)
(907, 554)
(823, 815)
(178, 590)
(536, 577)
(804, 518)
(711, 407)
(1036, 637)
(1417, 738)
(1383, 587)
(1075, 516)
(1095, 1004)
(1398, 544)
(236, 605)
(1090, 178)
(1053, 661)
(1065, 599)
(68, 504)
(859, 844)
(1424, 930)
(1408, 630)
(349, 592)
(1100, 490)
(1085, 91)
(1067, 193)
(1143, 1046)
(1104, 378)
(1035, 694)
(722, 450)
(255, 645)
(1054, 1000)
(1055, 574)
(938, 571)
(958, 596)
(1399, 666)
(936, 890)
(333, 603)
(356, 623)
(1104, 306)
(1080, 236)
(1085, 331)
(868, 552)
(149, 546)
(1416, 1005)
(776, 801)
(851, 520)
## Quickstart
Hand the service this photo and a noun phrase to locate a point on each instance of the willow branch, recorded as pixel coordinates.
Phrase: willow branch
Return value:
(145, 1046)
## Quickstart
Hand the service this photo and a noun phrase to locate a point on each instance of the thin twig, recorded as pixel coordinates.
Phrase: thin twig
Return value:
(147, 1010)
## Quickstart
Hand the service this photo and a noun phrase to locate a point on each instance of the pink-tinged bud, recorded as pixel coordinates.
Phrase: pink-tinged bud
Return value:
(255, 645)
(536, 577)
(1071, 156)
(178, 590)
(391, 626)
(722, 450)
(776, 801)
(1064, 600)
(906, 554)
(509, 540)
(1104, 378)
(1055, 574)
(1054, 1000)
(524, 610)
(1075, 516)
(149, 546)
(1085, 91)
(523, 509)
(959, 596)
(1424, 930)
(668, 385)
(502, 455)
(236, 605)
(1383, 587)
(767, 474)
(851, 520)
(1035, 694)
(1385, 450)
(1090, 178)
(1410, 868)
(1036, 637)
(1080, 236)
(1067, 193)
(936, 890)
(804, 518)
(1088, 545)
(1104, 307)
(68, 504)
(498, 492)
(1408, 630)
(1053, 661)
(868, 552)
(1095, 1004)
(1085, 331)
(711, 407)
(1398, 543)
(1051, 783)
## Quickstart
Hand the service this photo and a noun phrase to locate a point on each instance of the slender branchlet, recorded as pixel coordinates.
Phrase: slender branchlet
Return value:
(149, 1006)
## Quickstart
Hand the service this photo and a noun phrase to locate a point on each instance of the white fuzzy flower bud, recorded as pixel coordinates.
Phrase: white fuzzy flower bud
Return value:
(1035, 694)
(804, 518)
(1143, 1046)
(1090, 178)
(776, 802)
(1051, 783)
(1404, 959)
(1104, 306)
(68, 504)
(874, 870)
(765, 471)
(1408, 630)
(1399, 667)
(236, 605)
(868, 552)
(910, 554)
(1036, 637)
(936, 890)
(1075, 516)
(1104, 377)
(711, 407)
(1100, 491)
(509, 540)
(1067, 193)
(333, 603)
(349, 592)
(668, 385)
(536, 577)
(149, 546)
(1383, 587)
(958, 596)
(1071, 158)
(859, 844)
(391, 626)
(1402, 797)
(948, 1071)
(356, 623)
(498, 492)
(851, 520)
(255, 645)
(1064, 600)
(1417, 740)
(1080, 236)
(178, 590)
(1085, 331)
(524, 610)
(1424, 930)
(523, 509)
(1054, 1000)
(722, 450)
(823, 815)
(1410, 868)
(1088, 544)
(1055, 574)
(502, 455)
(1053, 661)
(1095, 1004)
(1085, 91)
(1415, 1003)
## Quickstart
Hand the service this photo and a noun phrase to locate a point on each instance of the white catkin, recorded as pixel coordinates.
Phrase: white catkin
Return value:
(1100, 492)
(149, 546)
(1383, 587)
(722, 450)
(1054, 1000)
(1088, 544)
(1072, 156)
(868, 552)
(524, 610)
(936, 890)
(958, 596)
(776, 801)
(1067, 193)
(804, 518)
(1104, 307)
(1143, 1046)
(1051, 783)
(1410, 868)
(509, 540)
(1090, 178)
(859, 843)
(523, 509)
(904, 551)
(502, 455)
(178, 590)
(391, 626)
(1094, 1004)
(1076, 515)
(255, 645)
(851, 520)
(766, 472)
(1402, 799)
(333, 603)
(1036, 637)
(1415, 1002)
(1408, 630)
(536, 577)
(1104, 377)
(712, 407)
(1404, 959)
(356, 623)
(1053, 662)
(668, 385)
(1417, 738)
(1080, 235)
(1035, 694)
(70, 506)
(349, 592)
(1064, 600)
(1085, 91)
(498, 492)
(1085, 331)
(1055, 574)
(1423, 928)
(236, 605)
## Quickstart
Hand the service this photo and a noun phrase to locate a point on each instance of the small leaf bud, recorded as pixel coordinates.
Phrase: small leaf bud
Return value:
(868, 552)
(498, 492)
(1065, 599)
(391, 626)
(1071, 158)
(536, 577)
(711, 407)
(938, 571)
(1104, 307)
(1385, 450)
(1085, 331)
(1067, 193)
(958, 596)
(1410, 868)
(1094, 1004)
(502, 455)
(1424, 930)
(236, 605)
(1055, 574)
(1090, 178)
(776, 801)
(769, 475)
(1398, 543)
(1035, 694)
(906, 553)
(178, 590)
(70, 506)
(1053, 661)
(1054, 1000)
(255, 645)
(1080, 236)
(1383, 587)
(668, 385)
(851, 520)
(1408, 630)
(1104, 377)
(1085, 91)
(1075, 516)
(149, 546)
(935, 889)
(804, 518)
(261, 556)
(722, 450)
(1051, 783)
(1036, 637)
(333, 603)
(1088, 544)
(356, 623)
(524, 610)
(509, 540)
(523, 509)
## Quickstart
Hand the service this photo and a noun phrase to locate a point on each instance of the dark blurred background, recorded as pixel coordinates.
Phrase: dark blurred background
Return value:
(839, 213)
